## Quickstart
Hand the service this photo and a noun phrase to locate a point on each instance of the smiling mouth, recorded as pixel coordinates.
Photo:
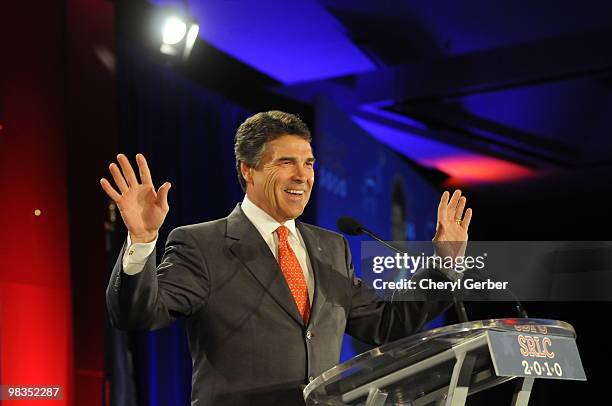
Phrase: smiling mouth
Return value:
(294, 192)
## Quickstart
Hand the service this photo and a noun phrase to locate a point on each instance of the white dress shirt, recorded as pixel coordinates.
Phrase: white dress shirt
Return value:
(136, 254)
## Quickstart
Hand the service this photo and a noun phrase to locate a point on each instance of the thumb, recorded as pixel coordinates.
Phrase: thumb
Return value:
(162, 194)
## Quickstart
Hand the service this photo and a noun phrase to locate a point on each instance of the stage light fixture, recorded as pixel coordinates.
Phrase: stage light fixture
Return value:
(174, 31)
(178, 36)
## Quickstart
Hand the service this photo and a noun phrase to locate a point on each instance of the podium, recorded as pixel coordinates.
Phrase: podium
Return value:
(445, 365)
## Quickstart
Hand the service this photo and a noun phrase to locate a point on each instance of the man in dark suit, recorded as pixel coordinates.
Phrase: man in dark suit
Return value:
(266, 298)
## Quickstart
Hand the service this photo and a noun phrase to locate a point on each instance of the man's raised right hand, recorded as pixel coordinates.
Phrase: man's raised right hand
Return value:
(143, 210)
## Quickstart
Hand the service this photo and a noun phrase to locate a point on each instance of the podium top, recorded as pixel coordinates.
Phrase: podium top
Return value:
(352, 376)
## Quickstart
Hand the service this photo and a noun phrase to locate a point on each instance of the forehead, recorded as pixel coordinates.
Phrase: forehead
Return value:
(288, 145)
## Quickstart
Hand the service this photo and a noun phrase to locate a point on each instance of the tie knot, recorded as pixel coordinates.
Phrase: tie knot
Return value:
(283, 234)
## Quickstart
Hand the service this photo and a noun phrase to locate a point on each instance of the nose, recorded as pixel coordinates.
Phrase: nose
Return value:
(300, 174)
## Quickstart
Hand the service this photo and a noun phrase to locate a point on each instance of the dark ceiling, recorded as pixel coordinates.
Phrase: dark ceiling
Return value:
(526, 81)
(514, 84)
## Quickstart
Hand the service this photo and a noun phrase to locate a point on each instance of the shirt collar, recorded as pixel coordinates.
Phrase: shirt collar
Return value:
(264, 223)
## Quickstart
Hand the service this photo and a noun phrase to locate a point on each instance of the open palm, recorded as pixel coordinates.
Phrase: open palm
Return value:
(452, 227)
(142, 208)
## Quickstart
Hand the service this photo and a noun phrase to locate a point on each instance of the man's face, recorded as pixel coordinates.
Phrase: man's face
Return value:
(282, 183)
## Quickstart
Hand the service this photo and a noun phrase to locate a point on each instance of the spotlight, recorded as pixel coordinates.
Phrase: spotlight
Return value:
(174, 31)
(178, 36)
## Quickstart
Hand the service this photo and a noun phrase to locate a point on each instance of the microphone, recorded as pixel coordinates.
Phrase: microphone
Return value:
(349, 225)
(352, 226)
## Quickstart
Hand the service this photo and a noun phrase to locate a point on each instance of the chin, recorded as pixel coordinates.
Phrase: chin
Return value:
(293, 214)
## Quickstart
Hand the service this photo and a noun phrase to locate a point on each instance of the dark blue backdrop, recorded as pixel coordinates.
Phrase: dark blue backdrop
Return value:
(186, 133)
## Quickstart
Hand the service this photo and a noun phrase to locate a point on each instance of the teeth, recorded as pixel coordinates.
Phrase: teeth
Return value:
(295, 192)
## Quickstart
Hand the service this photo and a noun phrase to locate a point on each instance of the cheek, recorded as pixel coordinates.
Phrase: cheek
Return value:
(311, 182)
(271, 182)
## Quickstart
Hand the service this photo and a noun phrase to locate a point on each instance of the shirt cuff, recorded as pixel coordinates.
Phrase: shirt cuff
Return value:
(136, 255)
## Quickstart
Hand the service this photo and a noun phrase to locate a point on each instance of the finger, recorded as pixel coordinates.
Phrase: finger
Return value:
(127, 170)
(442, 206)
(118, 178)
(459, 209)
(143, 169)
(162, 195)
(452, 204)
(110, 191)
(466, 219)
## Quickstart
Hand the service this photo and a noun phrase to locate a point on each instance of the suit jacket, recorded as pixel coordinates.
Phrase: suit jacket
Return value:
(248, 342)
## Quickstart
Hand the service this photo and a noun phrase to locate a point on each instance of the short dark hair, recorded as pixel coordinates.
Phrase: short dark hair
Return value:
(252, 136)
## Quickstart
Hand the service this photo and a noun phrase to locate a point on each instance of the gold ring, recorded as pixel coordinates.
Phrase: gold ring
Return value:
(458, 221)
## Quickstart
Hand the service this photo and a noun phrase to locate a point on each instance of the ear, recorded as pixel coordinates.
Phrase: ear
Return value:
(247, 172)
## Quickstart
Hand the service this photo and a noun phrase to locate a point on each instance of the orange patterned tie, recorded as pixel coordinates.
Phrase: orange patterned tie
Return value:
(293, 273)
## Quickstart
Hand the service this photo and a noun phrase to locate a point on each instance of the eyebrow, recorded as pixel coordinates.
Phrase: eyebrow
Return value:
(291, 158)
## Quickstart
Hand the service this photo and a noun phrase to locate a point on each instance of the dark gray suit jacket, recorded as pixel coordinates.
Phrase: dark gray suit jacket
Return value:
(248, 342)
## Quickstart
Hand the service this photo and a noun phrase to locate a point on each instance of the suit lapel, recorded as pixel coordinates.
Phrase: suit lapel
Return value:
(246, 244)
(316, 254)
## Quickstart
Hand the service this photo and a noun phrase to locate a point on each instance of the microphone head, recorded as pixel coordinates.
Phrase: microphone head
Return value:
(349, 225)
